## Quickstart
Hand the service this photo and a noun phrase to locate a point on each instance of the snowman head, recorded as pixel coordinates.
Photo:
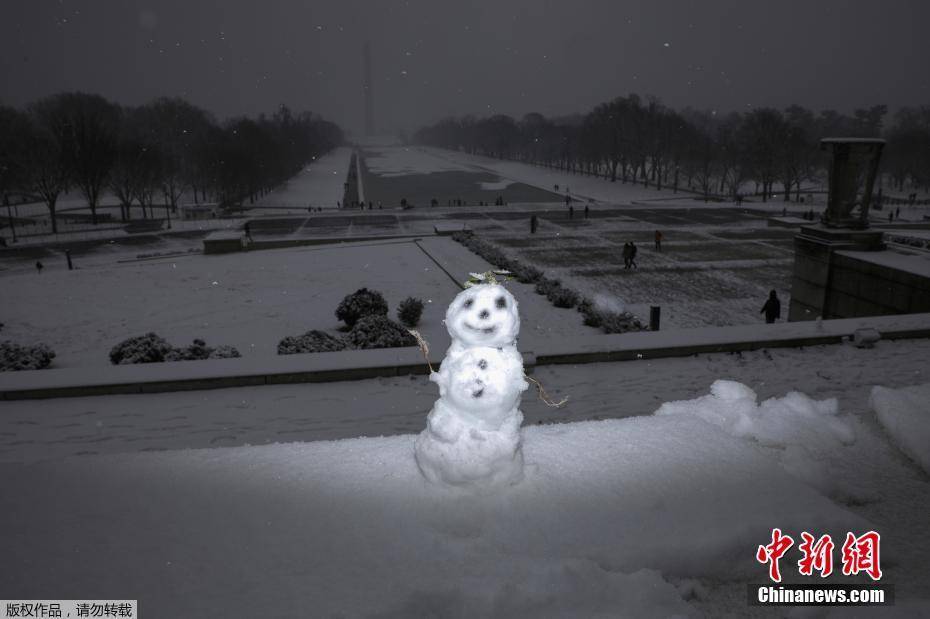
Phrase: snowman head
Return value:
(482, 381)
(484, 315)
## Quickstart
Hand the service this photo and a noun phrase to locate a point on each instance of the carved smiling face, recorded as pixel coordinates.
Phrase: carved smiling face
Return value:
(482, 381)
(484, 315)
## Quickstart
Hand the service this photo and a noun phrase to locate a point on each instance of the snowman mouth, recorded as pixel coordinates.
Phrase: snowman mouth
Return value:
(488, 330)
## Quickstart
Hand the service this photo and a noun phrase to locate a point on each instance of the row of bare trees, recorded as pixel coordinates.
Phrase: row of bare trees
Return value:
(155, 152)
(634, 140)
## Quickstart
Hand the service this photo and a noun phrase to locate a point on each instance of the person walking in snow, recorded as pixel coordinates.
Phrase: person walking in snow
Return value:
(772, 308)
(39, 266)
(627, 254)
(658, 241)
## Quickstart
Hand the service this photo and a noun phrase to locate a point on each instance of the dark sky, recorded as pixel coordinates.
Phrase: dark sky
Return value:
(434, 58)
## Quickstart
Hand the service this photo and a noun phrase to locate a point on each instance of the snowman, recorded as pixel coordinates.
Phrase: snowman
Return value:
(472, 437)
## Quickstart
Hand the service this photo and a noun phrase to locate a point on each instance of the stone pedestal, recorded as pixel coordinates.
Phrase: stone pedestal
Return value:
(814, 250)
(223, 242)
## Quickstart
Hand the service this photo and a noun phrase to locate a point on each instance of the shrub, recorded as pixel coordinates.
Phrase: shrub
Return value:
(461, 236)
(361, 303)
(409, 312)
(609, 321)
(614, 322)
(524, 273)
(311, 341)
(151, 348)
(199, 350)
(14, 357)
(563, 297)
(378, 332)
(148, 348)
(224, 352)
(546, 285)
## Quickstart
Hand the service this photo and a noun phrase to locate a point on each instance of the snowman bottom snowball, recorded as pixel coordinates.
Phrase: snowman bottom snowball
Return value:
(453, 452)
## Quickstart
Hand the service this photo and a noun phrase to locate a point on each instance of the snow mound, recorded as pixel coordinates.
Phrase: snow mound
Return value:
(905, 415)
(794, 419)
(802, 433)
(352, 528)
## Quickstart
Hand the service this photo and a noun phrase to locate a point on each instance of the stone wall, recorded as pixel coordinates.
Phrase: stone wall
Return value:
(841, 274)
(860, 287)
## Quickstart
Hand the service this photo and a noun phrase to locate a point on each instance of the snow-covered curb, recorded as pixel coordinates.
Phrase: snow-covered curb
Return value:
(358, 364)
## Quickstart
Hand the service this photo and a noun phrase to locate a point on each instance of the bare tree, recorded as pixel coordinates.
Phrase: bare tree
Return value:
(85, 128)
(13, 132)
(762, 139)
(46, 168)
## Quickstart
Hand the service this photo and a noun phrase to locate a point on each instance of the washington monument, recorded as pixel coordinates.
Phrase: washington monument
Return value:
(369, 107)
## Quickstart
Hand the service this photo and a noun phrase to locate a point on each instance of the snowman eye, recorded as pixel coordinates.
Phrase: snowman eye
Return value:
(469, 302)
(501, 303)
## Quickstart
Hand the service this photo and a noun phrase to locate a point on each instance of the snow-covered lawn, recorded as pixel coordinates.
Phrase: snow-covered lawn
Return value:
(704, 275)
(247, 300)
(319, 184)
(580, 187)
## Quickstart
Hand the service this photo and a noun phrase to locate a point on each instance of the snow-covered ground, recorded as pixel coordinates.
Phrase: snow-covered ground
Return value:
(319, 184)
(653, 516)
(250, 301)
(580, 187)
(905, 415)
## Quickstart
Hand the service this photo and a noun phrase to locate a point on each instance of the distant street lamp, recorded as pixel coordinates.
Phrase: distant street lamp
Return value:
(167, 210)
(9, 212)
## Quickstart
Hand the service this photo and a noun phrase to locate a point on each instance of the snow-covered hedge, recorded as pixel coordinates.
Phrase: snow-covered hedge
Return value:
(378, 332)
(311, 341)
(558, 295)
(409, 312)
(152, 348)
(14, 357)
(361, 303)
(199, 350)
(607, 320)
(524, 273)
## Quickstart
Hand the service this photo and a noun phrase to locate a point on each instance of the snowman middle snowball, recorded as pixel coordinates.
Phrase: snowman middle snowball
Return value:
(472, 437)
